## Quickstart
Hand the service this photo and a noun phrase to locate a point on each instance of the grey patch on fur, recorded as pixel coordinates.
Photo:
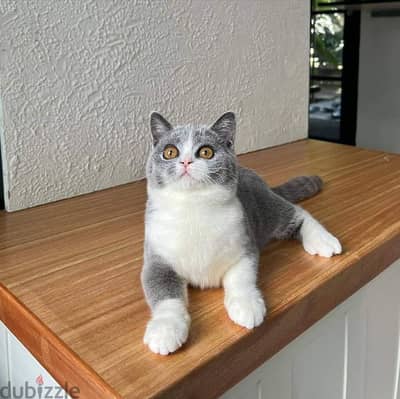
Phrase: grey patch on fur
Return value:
(159, 280)
(299, 188)
(268, 213)
(225, 127)
(158, 126)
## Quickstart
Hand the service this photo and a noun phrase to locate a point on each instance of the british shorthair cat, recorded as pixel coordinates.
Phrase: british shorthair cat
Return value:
(207, 219)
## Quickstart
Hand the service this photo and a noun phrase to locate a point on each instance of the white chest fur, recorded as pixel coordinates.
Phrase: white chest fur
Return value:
(199, 233)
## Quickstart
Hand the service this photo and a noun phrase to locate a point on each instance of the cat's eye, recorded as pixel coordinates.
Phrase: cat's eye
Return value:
(170, 152)
(206, 152)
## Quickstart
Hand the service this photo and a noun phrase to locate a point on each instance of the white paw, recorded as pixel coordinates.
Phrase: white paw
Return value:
(318, 241)
(166, 335)
(247, 310)
(168, 329)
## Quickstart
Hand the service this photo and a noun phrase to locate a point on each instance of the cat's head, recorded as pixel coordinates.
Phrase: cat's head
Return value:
(192, 157)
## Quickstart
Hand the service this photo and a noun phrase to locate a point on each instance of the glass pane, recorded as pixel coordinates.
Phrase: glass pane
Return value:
(326, 71)
(326, 44)
(324, 113)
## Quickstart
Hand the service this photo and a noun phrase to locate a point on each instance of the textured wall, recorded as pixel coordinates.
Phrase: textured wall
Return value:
(79, 79)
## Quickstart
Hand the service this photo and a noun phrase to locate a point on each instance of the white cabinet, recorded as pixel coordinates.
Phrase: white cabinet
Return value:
(317, 363)
(352, 353)
(21, 375)
(4, 375)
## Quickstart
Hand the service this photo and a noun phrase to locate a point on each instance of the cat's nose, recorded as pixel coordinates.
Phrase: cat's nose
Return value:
(186, 162)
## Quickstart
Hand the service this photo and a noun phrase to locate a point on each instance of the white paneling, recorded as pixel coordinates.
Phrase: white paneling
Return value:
(270, 381)
(276, 376)
(318, 365)
(356, 325)
(247, 388)
(25, 369)
(3, 356)
(383, 298)
(396, 390)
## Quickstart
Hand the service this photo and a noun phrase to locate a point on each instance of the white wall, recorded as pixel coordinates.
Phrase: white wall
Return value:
(378, 120)
(79, 79)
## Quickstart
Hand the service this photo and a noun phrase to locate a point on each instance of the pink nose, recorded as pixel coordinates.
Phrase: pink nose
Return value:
(186, 162)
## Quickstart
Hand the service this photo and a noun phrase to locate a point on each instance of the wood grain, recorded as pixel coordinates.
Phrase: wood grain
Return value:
(52, 352)
(71, 290)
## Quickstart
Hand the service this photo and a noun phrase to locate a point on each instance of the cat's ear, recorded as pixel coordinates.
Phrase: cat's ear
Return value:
(159, 126)
(226, 127)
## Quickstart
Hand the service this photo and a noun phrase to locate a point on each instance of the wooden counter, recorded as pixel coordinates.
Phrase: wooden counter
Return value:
(71, 289)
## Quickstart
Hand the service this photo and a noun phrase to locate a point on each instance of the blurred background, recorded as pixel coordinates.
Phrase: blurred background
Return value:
(354, 79)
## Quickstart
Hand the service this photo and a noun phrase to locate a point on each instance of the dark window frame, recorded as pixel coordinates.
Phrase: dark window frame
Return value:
(351, 55)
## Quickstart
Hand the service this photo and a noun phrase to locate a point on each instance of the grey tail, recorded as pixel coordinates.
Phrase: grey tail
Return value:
(299, 188)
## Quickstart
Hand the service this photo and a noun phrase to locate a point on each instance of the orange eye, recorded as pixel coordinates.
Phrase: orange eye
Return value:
(206, 152)
(170, 152)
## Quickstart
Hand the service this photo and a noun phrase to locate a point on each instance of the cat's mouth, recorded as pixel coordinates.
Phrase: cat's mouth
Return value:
(187, 179)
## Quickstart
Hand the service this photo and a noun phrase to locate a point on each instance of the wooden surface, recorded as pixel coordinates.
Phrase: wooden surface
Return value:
(71, 290)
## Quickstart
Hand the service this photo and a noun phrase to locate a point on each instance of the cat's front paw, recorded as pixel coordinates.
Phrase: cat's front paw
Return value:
(246, 309)
(168, 329)
(318, 241)
(322, 243)
(166, 335)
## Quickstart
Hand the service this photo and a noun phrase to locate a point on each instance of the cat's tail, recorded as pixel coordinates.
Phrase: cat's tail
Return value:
(299, 188)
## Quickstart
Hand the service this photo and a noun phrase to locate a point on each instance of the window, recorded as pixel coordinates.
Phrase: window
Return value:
(333, 73)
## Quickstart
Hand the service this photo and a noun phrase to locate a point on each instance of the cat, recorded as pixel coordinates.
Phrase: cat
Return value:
(206, 221)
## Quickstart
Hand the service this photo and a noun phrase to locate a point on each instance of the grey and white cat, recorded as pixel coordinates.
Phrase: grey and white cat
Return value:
(207, 219)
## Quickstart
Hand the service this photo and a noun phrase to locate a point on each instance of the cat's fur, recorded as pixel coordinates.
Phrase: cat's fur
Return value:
(207, 227)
